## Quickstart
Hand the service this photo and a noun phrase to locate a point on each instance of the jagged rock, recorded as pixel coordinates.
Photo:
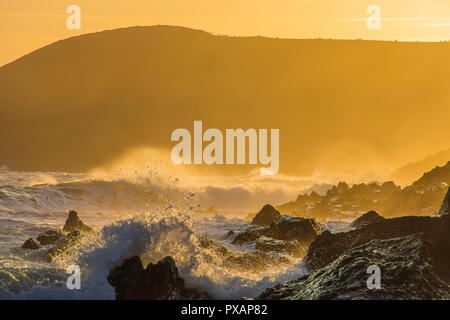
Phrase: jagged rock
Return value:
(158, 281)
(49, 237)
(445, 207)
(304, 230)
(342, 187)
(63, 244)
(407, 267)
(30, 244)
(389, 186)
(252, 262)
(73, 223)
(366, 219)
(282, 246)
(208, 243)
(251, 234)
(124, 276)
(423, 198)
(229, 234)
(328, 246)
(266, 216)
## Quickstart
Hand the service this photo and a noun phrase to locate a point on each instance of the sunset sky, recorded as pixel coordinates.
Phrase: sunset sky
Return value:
(27, 25)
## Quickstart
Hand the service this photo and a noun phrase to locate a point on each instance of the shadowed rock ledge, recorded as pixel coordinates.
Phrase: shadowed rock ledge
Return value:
(328, 246)
(407, 272)
(412, 253)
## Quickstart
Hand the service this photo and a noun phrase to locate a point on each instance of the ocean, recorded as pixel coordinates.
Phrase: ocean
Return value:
(150, 216)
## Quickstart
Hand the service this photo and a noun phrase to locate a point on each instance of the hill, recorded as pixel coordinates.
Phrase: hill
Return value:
(341, 105)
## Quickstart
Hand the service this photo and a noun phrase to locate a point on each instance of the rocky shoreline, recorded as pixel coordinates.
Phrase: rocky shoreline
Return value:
(412, 253)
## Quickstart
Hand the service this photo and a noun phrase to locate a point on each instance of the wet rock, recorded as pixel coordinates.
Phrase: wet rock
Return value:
(366, 219)
(408, 271)
(73, 223)
(208, 243)
(253, 262)
(329, 246)
(124, 276)
(266, 216)
(65, 243)
(158, 281)
(229, 234)
(49, 237)
(304, 230)
(445, 207)
(267, 244)
(251, 234)
(30, 244)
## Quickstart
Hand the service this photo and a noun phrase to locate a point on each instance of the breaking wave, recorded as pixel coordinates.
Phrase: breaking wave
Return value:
(152, 217)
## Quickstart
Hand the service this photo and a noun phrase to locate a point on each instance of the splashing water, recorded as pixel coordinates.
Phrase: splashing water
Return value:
(150, 218)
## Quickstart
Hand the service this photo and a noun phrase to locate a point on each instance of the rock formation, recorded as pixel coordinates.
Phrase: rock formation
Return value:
(49, 237)
(73, 223)
(366, 219)
(288, 228)
(293, 248)
(65, 243)
(253, 262)
(30, 244)
(328, 246)
(423, 197)
(408, 271)
(157, 282)
(266, 216)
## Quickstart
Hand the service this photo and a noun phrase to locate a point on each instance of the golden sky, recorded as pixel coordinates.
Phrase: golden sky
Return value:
(27, 25)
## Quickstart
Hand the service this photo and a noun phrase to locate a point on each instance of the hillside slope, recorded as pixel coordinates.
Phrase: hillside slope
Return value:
(340, 105)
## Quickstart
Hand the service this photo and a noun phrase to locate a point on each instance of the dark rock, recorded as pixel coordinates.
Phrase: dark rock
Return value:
(328, 246)
(49, 237)
(408, 271)
(304, 230)
(445, 207)
(208, 243)
(73, 223)
(251, 234)
(266, 216)
(123, 277)
(252, 262)
(281, 246)
(65, 243)
(158, 281)
(366, 219)
(30, 244)
(422, 198)
(229, 234)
